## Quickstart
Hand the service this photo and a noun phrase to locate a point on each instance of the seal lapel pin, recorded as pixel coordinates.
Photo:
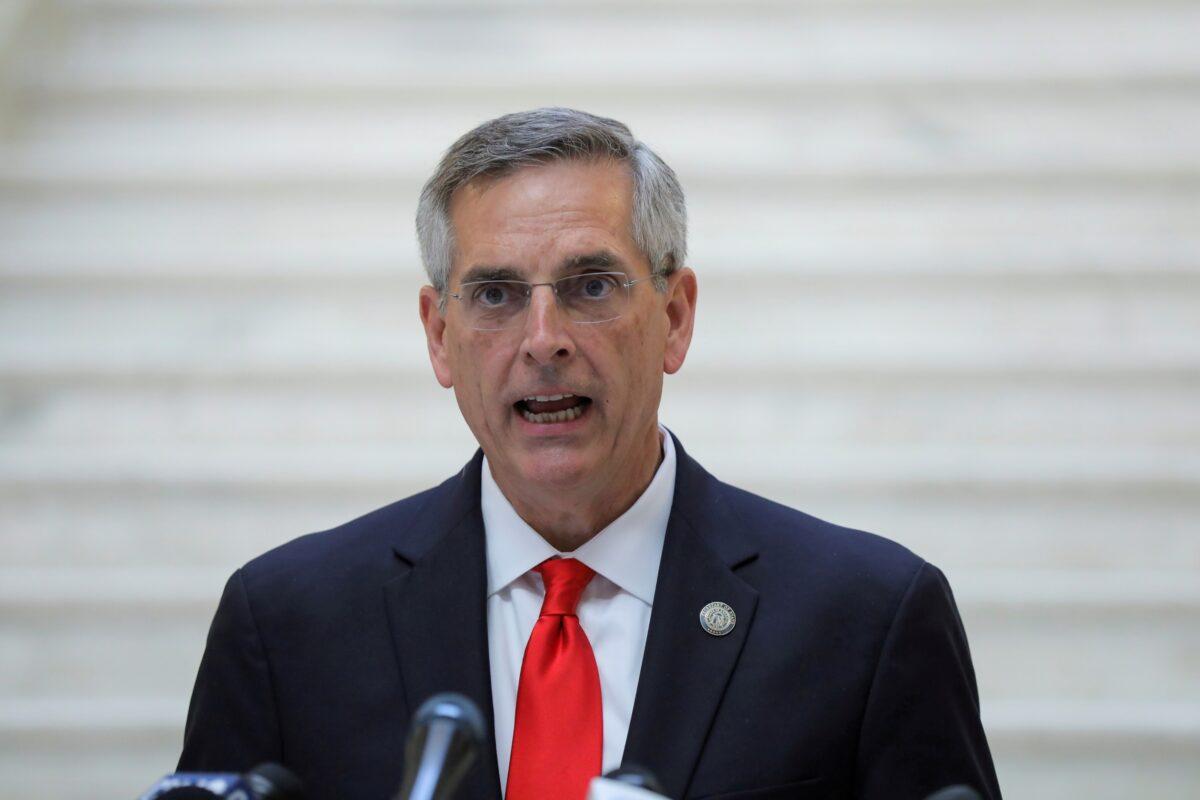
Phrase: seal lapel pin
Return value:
(717, 619)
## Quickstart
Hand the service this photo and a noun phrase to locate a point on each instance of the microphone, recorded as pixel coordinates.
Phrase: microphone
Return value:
(264, 782)
(627, 782)
(956, 792)
(447, 733)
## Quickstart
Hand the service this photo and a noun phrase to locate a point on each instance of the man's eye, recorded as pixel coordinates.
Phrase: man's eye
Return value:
(595, 287)
(491, 294)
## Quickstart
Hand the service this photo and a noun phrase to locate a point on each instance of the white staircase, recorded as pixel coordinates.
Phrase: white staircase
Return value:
(949, 257)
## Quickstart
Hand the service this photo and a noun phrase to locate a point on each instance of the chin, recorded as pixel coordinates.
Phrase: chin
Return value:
(555, 468)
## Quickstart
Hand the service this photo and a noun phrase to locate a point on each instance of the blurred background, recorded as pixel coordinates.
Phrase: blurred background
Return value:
(949, 261)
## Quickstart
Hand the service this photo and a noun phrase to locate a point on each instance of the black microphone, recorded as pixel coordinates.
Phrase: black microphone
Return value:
(273, 782)
(633, 775)
(447, 734)
(956, 792)
(264, 782)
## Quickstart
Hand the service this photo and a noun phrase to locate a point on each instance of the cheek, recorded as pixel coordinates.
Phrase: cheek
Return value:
(638, 356)
(480, 367)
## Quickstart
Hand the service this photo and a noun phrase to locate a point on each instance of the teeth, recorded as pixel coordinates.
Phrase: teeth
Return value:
(548, 398)
(554, 416)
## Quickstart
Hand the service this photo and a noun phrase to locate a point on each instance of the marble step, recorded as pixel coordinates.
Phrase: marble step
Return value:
(1127, 526)
(885, 326)
(994, 202)
(354, 234)
(1043, 751)
(999, 467)
(1036, 635)
(408, 409)
(1115, 134)
(513, 6)
(159, 47)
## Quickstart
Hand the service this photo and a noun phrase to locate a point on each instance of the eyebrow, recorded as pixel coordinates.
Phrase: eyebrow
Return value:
(600, 259)
(490, 273)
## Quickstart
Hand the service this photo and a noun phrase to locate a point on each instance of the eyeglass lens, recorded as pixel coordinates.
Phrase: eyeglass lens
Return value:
(586, 298)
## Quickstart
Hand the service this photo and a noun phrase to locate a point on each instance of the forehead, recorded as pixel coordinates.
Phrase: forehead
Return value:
(544, 212)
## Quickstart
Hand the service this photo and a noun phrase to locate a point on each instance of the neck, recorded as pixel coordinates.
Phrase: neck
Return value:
(569, 517)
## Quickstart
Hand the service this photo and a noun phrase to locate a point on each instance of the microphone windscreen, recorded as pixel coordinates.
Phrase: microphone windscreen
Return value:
(608, 789)
(198, 786)
(634, 775)
(454, 707)
(273, 782)
(958, 792)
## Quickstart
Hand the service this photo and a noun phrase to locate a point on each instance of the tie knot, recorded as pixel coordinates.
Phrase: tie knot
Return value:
(565, 580)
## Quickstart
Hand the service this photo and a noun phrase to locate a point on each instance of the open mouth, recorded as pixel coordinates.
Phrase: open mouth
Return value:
(549, 409)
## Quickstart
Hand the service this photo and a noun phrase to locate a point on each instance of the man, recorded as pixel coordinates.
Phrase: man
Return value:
(600, 596)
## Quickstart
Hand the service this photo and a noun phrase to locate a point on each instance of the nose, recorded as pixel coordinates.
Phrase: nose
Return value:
(547, 335)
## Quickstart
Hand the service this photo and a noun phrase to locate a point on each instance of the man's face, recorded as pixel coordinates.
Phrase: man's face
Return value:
(537, 224)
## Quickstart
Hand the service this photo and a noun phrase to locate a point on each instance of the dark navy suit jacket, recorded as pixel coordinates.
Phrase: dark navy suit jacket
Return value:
(846, 675)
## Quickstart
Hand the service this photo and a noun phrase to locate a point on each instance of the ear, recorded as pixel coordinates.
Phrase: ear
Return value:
(681, 317)
(435, 335)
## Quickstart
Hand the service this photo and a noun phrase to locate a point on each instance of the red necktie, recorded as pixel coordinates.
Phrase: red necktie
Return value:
(558, 733)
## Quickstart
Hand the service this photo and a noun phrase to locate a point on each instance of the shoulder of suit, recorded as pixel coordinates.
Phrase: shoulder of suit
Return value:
(363, 543)
(792, 540)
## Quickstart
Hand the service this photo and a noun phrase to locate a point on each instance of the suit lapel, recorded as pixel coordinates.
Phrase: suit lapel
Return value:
(437, 611)
(685, 670)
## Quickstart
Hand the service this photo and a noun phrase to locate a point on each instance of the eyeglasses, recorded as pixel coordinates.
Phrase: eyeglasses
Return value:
(587, 299)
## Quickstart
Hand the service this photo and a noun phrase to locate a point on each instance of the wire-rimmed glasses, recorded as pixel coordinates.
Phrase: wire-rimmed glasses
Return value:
(587, 298)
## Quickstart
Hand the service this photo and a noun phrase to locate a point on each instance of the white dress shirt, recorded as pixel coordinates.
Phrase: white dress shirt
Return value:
(614, 610)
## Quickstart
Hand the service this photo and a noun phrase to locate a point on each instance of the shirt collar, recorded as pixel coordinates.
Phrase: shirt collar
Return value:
(627, 552)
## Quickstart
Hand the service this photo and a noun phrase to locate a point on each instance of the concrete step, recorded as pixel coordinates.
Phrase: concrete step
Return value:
(166, 47)
(1039, 136)
(884, 325)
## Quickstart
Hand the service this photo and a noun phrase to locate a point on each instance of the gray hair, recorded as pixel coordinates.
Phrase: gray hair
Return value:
(505, 144)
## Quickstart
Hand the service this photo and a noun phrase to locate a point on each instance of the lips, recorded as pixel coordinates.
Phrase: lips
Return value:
(552, 408)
